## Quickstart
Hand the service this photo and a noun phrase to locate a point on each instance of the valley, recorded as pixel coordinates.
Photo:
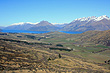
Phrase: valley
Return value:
(55, 52)
(54, 36)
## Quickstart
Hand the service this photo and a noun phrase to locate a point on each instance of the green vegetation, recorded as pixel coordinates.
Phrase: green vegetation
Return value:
(30, 36)
(102, 46)
(60, 45)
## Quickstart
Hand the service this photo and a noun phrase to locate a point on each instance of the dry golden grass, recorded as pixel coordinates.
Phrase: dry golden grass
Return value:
(69, 63)
(23, 58)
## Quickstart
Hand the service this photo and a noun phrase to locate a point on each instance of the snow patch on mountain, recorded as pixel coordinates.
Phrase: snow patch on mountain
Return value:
(93, 18)
(102, 17)
(23, 23)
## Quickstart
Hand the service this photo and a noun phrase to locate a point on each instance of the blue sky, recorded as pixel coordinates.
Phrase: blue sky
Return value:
(54, 11)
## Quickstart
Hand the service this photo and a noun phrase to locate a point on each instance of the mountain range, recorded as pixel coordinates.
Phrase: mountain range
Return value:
(81, 24)
(89, 23)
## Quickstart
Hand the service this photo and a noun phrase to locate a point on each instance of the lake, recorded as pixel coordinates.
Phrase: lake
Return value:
(37, 32)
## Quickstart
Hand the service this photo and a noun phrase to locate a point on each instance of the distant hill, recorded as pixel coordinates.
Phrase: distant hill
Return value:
(44, 26)
(1, 27)
(61, 25)
(19, 26)
(98, 37)
(89, 23)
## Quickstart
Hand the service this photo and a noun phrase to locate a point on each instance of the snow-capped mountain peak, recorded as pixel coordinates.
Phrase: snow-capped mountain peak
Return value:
(23, 23)
(85, 18)
(94, 18)
(102, 17)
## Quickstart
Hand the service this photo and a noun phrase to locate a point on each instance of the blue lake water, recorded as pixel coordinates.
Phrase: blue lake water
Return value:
(69, 32)
(37, 32)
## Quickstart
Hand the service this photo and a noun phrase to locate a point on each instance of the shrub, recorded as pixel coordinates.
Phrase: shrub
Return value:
(49, 59)
(59, 56)
(60, 45)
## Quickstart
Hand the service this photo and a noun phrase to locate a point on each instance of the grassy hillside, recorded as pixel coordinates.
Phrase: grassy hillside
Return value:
(21, 52)
(98, 37)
